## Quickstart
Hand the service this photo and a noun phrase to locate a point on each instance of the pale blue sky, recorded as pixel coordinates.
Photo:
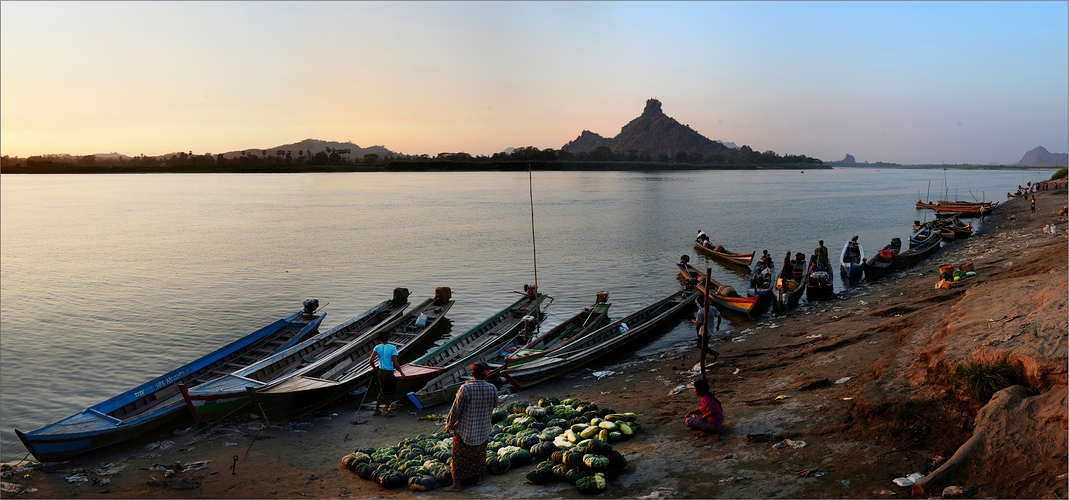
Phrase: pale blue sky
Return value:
(907, 82)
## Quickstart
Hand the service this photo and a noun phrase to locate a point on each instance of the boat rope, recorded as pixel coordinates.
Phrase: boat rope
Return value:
(534, 250)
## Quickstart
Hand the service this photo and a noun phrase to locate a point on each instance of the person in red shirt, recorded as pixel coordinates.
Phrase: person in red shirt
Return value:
(709, 417)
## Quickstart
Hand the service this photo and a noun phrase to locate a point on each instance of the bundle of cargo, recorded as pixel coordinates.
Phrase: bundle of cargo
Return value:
(949, 277)
(521, 434)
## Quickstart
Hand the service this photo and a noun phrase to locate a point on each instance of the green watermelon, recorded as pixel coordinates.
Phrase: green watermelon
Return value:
(591, 485)
(422, 483)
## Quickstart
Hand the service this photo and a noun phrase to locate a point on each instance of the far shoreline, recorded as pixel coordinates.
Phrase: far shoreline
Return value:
(406, 166)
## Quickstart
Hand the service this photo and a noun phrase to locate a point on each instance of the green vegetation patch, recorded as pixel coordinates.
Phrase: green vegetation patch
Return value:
(980, 380)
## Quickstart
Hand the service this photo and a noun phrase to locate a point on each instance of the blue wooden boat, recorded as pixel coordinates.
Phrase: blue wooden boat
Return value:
(852, 261)
(224, 395)
(159, 401)
(921, 236)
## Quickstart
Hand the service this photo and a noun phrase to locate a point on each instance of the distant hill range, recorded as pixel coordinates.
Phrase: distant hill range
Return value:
(309, 146)
(312, 146)
(1040, 157)
(653, 133)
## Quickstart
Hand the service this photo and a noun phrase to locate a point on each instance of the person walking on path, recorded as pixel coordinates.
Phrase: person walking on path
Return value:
(1033, 203)
(386, 355)
(699, 324)
(709, 417)
(470, 422)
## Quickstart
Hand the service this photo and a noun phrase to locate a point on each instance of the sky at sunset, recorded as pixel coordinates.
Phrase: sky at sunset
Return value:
(905, 82)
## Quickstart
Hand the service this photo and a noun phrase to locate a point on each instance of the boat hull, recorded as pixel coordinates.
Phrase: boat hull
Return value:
(159, 401)
(222, 396)
(737, 259)
(338, 374)
(603, 342)
(742, 306)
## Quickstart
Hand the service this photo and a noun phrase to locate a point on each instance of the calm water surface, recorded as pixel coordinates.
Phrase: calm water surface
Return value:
(110, 280)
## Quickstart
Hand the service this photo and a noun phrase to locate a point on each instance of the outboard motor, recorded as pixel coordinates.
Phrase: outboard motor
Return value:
(400, 296)
(310, 306)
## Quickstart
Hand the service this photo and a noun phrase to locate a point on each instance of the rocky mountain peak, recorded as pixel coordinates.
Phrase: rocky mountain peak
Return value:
(653, 107)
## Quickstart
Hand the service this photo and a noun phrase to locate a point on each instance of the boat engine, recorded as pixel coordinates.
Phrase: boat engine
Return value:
(310, 306)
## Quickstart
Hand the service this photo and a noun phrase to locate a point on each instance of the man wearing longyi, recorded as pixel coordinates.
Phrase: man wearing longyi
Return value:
(470, 422)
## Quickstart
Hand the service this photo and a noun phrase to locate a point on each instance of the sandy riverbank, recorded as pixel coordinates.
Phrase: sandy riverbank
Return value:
(897, 413)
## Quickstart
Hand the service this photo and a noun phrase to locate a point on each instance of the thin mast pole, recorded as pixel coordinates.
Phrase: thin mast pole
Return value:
(534, 250)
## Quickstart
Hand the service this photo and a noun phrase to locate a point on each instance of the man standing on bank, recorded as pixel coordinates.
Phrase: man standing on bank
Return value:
(470, 422)
(386, 355)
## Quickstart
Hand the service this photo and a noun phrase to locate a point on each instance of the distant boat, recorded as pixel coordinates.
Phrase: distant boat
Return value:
(719, 252)
(159, 401)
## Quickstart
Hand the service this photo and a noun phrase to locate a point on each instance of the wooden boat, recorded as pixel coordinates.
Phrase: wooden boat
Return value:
(340, 372)
(443, 388)
(883, 262)
(918, 253)
(217, 398)
(818, 284)
(725, 297)
(789, 289)
(852, 261)
(610, 339)
(921, 235)
(590, 319)
(159, 400)
(720, 253)
(761, 285)
(962, 211)
(952, 204)
(488, 335)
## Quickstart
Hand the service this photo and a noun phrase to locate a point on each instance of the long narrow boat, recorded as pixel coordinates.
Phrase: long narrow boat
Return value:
(342, 371)
(159, 401)
(852, 261)
(489, 334)
(789, 289)
(921, 235)
(883, 262)
(220, 397)
(761, 284)
(911, 257)
(590, 319)
(610, 339)
(719, 252)
(953, 204)
(725, 297)
(443, 388)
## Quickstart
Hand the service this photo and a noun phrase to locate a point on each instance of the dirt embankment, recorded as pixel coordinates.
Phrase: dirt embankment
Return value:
(867, 382)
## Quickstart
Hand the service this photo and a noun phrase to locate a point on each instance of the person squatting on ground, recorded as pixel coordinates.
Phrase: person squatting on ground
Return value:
(709, 417)
(469, 421)
(699, 323)
(386, 355)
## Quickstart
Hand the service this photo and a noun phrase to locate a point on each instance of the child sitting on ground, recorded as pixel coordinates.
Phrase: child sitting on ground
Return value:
(709, 417)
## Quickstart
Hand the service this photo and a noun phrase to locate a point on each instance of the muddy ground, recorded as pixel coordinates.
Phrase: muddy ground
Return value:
(865, 381)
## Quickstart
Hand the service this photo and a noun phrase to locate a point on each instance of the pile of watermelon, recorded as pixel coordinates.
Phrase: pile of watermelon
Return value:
(570, 437)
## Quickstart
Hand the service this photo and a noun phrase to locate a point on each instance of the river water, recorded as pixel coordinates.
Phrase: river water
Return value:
(110, 280)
